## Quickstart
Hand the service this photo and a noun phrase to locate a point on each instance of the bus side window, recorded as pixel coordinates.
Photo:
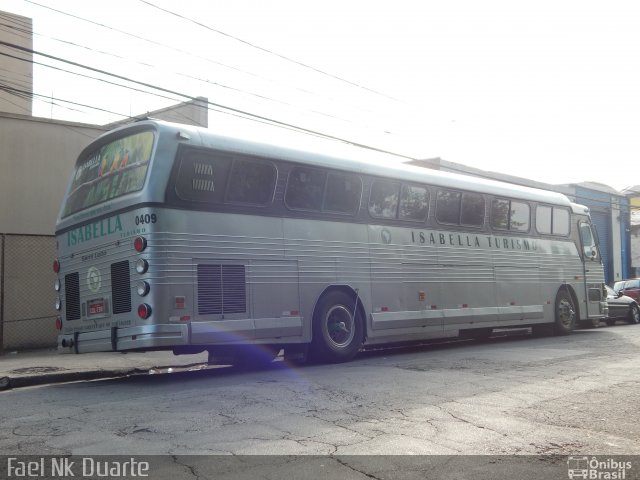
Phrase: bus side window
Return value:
(543, 219)
(458, 208)
(305, 189)
(448, 207)
(472, 210)
(202, 176)
(342, 194)
(414, 203)
(552, 220)
(510, 215)
(251, 182)
(383, 201)
(561, 224)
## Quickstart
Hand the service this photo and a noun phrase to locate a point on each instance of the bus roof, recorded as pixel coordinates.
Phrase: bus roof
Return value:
(356, 159)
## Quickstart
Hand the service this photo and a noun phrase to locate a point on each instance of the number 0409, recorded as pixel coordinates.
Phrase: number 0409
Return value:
(146, 218)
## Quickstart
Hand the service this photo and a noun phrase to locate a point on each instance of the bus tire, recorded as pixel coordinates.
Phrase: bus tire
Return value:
(634, 314)
(338, 328)
(565, 313)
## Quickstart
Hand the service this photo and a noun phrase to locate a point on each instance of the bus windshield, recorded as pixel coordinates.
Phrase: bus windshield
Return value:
(115, 169)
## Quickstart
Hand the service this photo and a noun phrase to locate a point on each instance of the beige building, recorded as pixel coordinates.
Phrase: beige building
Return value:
(36, 159)
(16, 68)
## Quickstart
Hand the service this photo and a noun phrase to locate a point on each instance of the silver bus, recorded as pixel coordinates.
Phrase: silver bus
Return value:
(172, 237)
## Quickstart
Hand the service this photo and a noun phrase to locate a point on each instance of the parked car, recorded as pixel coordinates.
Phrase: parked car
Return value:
(621, 307)
(630, 288)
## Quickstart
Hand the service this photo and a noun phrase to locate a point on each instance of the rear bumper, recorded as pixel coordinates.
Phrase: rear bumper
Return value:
(132, 338)
(265, 330)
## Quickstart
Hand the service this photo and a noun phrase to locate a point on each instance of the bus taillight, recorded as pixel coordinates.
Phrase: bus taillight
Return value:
(144, 311)
(58, 323)
(140, 244)
(56, 266)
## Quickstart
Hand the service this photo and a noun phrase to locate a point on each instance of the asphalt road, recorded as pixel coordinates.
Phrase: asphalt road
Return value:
(574, 395)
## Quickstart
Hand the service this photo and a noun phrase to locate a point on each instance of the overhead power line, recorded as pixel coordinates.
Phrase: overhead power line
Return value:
(270, 52)
(25, 32)
(195, 99)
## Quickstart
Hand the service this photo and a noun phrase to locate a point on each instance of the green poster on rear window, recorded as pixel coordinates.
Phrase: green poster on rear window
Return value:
(117, 168)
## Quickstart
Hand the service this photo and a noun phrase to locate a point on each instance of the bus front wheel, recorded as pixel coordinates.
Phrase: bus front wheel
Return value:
(565, 313)
(337, 328)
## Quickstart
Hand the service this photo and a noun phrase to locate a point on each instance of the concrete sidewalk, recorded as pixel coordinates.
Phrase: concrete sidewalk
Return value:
(37, 367)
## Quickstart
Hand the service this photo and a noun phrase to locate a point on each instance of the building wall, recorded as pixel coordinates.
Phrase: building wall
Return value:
(16, 73)
(610, 215)
(36, 160)
(634, 227)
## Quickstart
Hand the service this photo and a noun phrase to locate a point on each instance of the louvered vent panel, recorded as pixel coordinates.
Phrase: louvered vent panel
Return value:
(121, 287)
(209, 289)
(234, 296)
(72, 295)
(221, 289)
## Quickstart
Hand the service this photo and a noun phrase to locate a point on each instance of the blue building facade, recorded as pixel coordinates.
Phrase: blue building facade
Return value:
(610, 213)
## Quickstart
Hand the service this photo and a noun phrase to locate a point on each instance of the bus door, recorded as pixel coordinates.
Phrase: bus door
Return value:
(593, 270)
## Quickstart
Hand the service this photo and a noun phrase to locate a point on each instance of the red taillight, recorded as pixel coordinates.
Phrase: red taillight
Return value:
(140, 244)
(58, 323)
(56, 266)
(144, 311)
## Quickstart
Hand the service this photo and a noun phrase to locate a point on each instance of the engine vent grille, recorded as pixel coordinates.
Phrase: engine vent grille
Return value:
(221, 289)
(72, 296)
(121, 287)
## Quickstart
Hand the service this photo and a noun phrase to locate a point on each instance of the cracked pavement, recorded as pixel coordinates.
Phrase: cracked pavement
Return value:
(521, 395)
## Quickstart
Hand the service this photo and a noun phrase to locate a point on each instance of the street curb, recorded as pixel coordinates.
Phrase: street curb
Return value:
(7, 383)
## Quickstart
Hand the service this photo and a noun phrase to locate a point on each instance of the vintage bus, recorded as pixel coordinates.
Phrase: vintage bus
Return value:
(173, 237)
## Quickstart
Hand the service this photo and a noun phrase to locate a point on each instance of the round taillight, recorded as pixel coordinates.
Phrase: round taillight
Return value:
(144, 311)
(140, 244)
(58, 304)
(142, 266)
(56, 266)
(143, 288)
(56, 285)
(58, 323)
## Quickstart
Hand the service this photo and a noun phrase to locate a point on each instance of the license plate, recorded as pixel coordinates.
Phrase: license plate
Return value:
(96, 307)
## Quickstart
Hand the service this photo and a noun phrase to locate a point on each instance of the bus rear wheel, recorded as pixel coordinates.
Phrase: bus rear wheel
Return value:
(565, 313)
(337, 328)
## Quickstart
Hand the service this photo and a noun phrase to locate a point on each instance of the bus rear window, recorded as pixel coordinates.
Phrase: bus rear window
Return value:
(117, 168)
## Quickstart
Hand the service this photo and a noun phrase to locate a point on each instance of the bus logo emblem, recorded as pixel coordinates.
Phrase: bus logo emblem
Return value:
(94, 279)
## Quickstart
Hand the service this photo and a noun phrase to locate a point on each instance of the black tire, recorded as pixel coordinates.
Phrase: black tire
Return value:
(337, 332)
(565, 313)
(634, 314)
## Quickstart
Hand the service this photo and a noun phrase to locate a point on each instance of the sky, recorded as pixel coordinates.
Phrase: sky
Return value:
(547, 90)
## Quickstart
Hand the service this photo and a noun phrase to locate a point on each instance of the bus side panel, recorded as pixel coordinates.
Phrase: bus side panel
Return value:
(327, 253)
